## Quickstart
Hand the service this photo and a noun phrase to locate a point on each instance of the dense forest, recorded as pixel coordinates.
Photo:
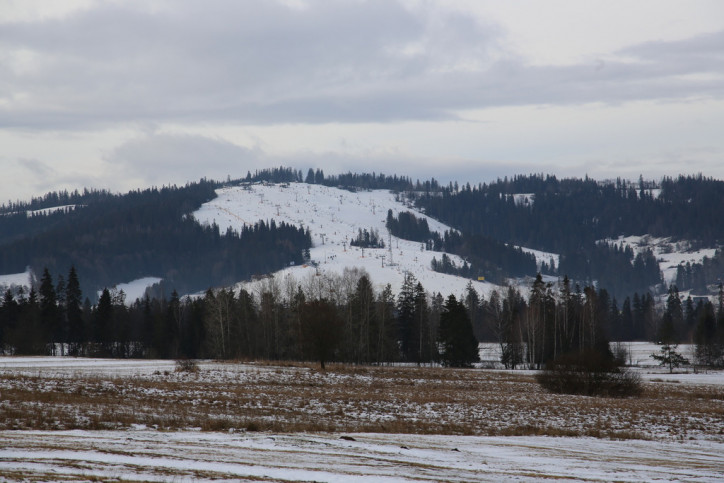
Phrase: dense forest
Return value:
(584, 210)
(342, 318)
(571, 216)
(113, 238)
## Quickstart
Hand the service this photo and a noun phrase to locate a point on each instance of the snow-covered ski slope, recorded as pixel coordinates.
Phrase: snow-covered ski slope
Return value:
(334, 217)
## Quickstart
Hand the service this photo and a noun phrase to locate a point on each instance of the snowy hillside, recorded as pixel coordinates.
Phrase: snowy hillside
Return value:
(334, 217)
(15, 279)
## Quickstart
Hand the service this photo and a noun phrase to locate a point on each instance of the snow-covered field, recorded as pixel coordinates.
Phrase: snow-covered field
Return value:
(142, 455)
(673, 432)
(334, 217)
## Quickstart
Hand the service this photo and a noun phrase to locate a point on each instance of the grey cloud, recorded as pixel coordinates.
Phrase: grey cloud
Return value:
(175, 158)
(260, 62)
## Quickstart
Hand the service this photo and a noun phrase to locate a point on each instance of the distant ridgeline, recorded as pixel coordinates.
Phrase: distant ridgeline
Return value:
(111, 238)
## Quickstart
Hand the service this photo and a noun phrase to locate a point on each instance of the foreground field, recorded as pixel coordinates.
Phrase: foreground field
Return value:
(201, 456)
(66, 393)
(145, 419)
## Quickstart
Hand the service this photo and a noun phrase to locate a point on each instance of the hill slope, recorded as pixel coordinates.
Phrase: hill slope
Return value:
(334, 217)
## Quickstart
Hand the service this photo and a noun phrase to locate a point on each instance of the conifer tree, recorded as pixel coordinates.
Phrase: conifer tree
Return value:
(49, 319)
(74, 312)
(459, 345)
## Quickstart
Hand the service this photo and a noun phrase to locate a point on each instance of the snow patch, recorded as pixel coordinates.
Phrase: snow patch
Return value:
(524, 199)
(16, 279)
(135, 289)
(54, 209)
(542, 257)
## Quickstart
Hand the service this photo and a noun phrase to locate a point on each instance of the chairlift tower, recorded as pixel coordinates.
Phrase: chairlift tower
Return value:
(389, 247)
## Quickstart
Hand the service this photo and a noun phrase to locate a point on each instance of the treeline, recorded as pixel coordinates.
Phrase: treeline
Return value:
(324, 318)
(406, 225)
(583, 209)
(368, 181)
(558, 319)
(148, 233)
(54, 199)
(342, 318)
(700, 276)
(612, 266)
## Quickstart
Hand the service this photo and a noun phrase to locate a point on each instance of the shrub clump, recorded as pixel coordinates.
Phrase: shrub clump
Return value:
(589, 373)
(187, 365)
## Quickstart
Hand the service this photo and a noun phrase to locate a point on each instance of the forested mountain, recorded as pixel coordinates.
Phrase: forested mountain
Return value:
(114, 238)
(572, 216)
(568, 214)
(111, 238)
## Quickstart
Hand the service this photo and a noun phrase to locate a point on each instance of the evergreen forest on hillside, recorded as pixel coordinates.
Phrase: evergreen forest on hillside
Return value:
(112, 238)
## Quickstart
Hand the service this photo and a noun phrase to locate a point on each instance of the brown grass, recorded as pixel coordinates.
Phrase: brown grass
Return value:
(344, 398)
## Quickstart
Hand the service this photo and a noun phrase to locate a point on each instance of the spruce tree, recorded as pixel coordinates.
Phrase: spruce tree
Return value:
(458, 343)
(49, 319)
(74, 312)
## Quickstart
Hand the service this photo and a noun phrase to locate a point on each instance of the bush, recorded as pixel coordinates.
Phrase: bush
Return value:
(621, 354)
(589, 373)
(187, 365)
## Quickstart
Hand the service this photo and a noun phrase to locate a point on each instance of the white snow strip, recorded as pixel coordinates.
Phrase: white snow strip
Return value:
(54, 209)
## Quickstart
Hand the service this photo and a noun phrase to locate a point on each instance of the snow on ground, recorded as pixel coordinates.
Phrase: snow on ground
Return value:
(69, 366)
(200, 456)
(54, 209)
(17, 279)
(524, 199)
(136, 289)
(334, 217)
(669, 254)
(144, 454)
(541, 257)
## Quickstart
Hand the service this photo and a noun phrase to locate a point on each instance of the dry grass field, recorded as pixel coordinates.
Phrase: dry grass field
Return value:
(300, 398)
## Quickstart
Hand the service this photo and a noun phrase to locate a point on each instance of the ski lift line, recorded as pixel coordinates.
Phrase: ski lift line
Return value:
(233, 215)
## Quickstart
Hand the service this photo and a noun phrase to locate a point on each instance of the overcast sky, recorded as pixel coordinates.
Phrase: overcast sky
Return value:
(126, 94)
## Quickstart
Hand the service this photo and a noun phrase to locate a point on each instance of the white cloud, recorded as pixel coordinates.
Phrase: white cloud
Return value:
(178, 158)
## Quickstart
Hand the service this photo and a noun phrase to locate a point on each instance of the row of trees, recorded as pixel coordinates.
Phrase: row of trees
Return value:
(342, 318)
(326, 318)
